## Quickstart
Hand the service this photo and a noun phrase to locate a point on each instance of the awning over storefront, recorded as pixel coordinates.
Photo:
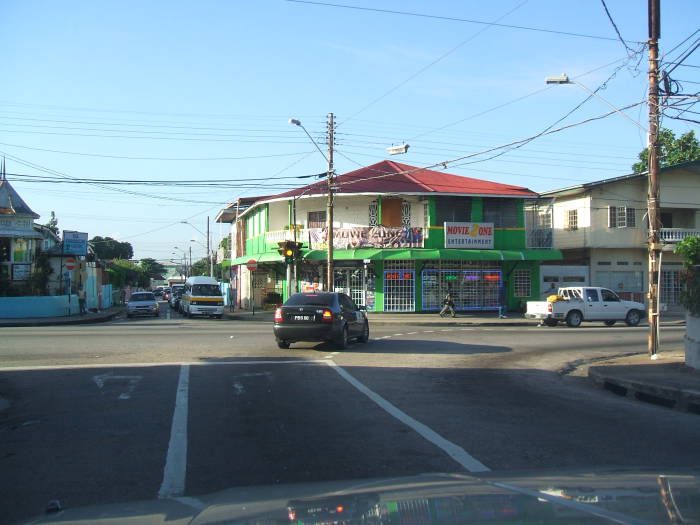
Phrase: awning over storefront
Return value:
(396, 254)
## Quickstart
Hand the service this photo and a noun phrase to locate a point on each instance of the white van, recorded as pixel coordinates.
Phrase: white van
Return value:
(202, 296)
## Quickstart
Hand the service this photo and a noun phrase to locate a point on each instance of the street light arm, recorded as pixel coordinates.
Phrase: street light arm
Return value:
(200, 231)
(298, 123)
(564, 79)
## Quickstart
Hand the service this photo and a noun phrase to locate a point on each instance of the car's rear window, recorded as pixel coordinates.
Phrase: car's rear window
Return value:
(311, 299)
(142, 297)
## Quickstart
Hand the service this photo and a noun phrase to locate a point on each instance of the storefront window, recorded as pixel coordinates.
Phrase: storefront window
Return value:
(471, 289)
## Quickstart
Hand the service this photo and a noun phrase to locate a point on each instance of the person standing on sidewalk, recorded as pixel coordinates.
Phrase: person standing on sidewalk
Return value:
(81, 300)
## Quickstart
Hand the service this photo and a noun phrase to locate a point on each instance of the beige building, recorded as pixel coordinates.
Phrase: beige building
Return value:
(601, 228)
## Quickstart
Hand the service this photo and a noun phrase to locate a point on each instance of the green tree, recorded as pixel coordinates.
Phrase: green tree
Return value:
(200, 267)
(52, 225)
(152, 268)
(106, 248)
(689, 249)
(122, 273)
(672, 150)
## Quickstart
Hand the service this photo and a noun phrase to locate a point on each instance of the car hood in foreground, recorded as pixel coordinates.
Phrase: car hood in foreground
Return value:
(620, 496)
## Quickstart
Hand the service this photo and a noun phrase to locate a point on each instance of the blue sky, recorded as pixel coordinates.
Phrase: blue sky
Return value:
(192, 91)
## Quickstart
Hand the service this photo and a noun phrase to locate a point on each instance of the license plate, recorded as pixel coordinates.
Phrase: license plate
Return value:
(302, 318)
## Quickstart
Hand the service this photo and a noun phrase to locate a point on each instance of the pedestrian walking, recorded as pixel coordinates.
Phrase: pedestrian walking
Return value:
(448, 306)
(81, 300)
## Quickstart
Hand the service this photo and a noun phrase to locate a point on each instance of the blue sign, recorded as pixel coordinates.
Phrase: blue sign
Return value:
(75, 243)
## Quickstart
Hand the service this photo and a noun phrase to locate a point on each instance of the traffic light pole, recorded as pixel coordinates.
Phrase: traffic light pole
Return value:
(329, 207)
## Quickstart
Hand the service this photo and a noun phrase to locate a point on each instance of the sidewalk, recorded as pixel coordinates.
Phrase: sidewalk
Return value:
(666, 381)
(90, 317)
(430, 319)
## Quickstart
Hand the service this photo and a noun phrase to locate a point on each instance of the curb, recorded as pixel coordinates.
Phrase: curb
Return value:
(77, 320)
(686, 400)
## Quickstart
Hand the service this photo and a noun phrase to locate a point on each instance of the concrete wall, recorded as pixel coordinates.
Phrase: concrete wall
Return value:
(42, 306)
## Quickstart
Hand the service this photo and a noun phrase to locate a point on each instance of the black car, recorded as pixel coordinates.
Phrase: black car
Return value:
(320, 316)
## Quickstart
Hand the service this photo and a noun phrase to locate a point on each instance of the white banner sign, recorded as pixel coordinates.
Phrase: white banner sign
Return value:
(469, 235)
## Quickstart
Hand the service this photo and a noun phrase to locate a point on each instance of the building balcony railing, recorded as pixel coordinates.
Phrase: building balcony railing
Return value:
(677, 234)
(540, 238)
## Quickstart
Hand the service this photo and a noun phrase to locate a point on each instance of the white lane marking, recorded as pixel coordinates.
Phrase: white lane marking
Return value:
(428, 331)
(446, 330)
(466, 329)
(165, 363)
(335, 353)
(329, 357)
(384, 337)
(132, 381)
(238, 388)
(397, 335)
(454, 451)
(411, 333)
(176, 459)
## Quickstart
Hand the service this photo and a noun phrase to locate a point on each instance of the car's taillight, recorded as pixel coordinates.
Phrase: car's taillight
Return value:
(327, 316)
(278, 315)
(549, 307)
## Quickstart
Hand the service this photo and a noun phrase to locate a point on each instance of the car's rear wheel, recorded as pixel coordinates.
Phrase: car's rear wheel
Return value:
(610, 322)
(342, 340)
(633, 317)
(574, 318)
(365, 334)
(283, 344)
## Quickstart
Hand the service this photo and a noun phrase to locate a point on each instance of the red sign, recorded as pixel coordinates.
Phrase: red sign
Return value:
(252, 265)
(70, 263)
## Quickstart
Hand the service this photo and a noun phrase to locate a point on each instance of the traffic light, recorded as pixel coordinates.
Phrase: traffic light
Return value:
(290, 250)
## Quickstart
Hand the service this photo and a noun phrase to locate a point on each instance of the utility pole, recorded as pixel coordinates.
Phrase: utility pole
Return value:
(654, 14)
(329, 208)
(189, 271)
(210, 259)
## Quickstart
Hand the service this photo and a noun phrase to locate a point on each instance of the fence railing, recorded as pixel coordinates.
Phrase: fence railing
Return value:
(677, 234)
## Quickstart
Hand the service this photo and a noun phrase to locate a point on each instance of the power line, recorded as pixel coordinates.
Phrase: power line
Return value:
(131, 157)
(429, 65)
(453, 19)
(630, 51)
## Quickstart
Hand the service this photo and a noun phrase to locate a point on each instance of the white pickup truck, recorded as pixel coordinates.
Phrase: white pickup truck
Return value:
(585, 303)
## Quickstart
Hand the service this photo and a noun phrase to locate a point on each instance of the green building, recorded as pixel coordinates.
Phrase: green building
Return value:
(403, 238)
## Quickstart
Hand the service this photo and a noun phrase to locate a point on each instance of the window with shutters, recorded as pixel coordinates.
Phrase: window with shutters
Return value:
(373, 214)
(621, 217)
(572, 220)
(503, 213)
(391, 212)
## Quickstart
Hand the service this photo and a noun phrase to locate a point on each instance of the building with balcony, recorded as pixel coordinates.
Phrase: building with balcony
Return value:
(601, 229)
(403, 238)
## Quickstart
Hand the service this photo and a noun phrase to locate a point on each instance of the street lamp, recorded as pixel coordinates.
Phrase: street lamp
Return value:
(329, 204)
(209, 258)
(654, 246)
(564, 79)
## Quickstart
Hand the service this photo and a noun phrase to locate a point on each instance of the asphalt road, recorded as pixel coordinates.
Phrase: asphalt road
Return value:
(136, 408)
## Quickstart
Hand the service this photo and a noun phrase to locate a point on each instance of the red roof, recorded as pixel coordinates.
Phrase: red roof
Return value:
(393, 177)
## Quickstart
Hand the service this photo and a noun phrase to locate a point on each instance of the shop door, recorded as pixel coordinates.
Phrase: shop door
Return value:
(350, 281)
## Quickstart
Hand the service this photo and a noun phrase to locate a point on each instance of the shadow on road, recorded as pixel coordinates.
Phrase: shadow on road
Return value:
(405, 346)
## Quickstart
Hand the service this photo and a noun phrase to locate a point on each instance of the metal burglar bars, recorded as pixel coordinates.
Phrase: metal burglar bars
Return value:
(399, 286)
(474, 287)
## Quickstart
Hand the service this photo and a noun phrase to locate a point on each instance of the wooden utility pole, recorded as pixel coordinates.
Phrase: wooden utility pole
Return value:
(329, 207)
(653, 188)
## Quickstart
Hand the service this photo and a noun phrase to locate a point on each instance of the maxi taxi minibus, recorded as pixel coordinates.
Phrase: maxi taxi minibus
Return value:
(202, 296)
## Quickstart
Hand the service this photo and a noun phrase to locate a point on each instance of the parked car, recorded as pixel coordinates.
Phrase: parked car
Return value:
(142, 303)
(585, 303)
(320, 316)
